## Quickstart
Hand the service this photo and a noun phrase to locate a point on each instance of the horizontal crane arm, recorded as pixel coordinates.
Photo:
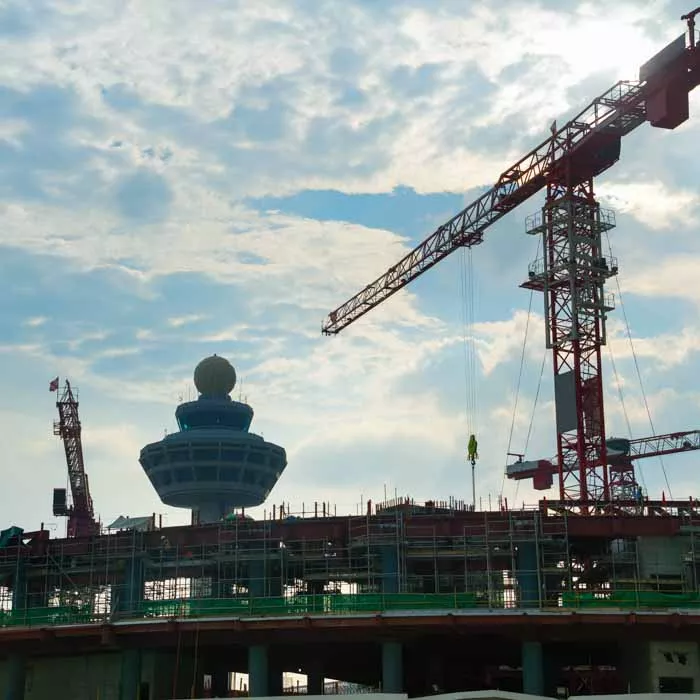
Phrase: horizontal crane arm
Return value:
(588, 145)
(660, 445)
(620, 451)
(618, 111)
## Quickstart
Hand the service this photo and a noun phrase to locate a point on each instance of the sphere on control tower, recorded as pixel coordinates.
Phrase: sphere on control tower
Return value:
(214, 376)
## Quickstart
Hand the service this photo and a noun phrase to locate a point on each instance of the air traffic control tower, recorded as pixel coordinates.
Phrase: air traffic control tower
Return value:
(213, 465)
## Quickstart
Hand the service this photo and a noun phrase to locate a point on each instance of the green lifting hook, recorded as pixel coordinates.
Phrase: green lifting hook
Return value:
(472, 453)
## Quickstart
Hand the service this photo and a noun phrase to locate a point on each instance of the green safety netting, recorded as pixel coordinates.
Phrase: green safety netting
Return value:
(334, 604)
(630, 599)
(308, 604)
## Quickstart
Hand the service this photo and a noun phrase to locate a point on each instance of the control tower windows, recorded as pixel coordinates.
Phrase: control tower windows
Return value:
(205, 473)
(184, 475)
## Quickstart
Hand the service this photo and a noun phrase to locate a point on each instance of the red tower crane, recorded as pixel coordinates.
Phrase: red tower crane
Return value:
(81, 515)
(573, 269)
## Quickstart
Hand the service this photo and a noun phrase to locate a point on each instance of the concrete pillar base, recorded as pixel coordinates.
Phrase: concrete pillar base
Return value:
(390, 569)
(314, 679)
(130, 675)
(258, 671)
(220, 683)
(275, 679)
(533, 668)
(16, 674)
(392, 667)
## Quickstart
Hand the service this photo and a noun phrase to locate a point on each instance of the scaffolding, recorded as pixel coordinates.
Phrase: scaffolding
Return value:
(399, 557)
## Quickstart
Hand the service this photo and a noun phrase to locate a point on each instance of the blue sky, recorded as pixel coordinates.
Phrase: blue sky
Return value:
(184, 178)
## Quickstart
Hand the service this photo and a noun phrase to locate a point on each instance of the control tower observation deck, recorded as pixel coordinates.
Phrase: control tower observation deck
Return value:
(213, 464)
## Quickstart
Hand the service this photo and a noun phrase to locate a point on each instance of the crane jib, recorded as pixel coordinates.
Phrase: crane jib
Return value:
(583, 148)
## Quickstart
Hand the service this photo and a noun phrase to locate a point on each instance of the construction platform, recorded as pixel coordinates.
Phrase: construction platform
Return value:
(405, 598)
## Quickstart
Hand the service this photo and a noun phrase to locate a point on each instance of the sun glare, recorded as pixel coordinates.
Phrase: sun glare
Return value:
(597, 44)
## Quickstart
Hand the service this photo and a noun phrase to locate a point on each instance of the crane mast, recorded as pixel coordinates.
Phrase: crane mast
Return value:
(573, 270)
(81, 515)
(572, 275)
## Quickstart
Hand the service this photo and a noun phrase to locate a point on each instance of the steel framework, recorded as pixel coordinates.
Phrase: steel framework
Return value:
(407, 556)
(621, 455)
(572, 275)
(81, 515)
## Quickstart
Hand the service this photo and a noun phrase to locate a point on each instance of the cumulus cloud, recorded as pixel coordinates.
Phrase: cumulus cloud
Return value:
(35, 321)
(654, 203)
(501, 341)
(666, 350)
(674, 276)
(377, 99)
(179, 321)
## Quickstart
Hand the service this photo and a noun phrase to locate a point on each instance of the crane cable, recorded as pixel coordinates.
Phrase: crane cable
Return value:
(636, 366)
(532, 415)
(517, 388)
(638, 468)
(468, 294)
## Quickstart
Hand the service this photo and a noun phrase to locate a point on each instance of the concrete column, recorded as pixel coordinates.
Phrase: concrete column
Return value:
(526, 575)
(130, 675)
(16, 670)
(314, 678)
(256, 578)
(130, 594)
(533, 668)
(389, 562)
(392, 667)
(435, 676)
(257, 671)
(19, 593)
(274, 679)
(220, 683)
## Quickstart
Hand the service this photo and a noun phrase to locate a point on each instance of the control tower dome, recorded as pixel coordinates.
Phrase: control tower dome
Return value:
(213, 464)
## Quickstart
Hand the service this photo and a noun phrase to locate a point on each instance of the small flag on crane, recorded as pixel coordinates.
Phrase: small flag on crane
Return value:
(53, 385)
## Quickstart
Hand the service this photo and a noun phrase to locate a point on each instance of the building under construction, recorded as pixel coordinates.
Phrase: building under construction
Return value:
(596, 592)
(407, 597)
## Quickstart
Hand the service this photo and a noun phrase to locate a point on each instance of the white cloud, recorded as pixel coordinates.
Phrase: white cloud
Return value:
(666, 349)
(502, 341)
(11, 132)
(335, 258)
(35, 321)
(117, 352)
(179, 321)
(204, 64)
(653, 204)
(671, 276)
